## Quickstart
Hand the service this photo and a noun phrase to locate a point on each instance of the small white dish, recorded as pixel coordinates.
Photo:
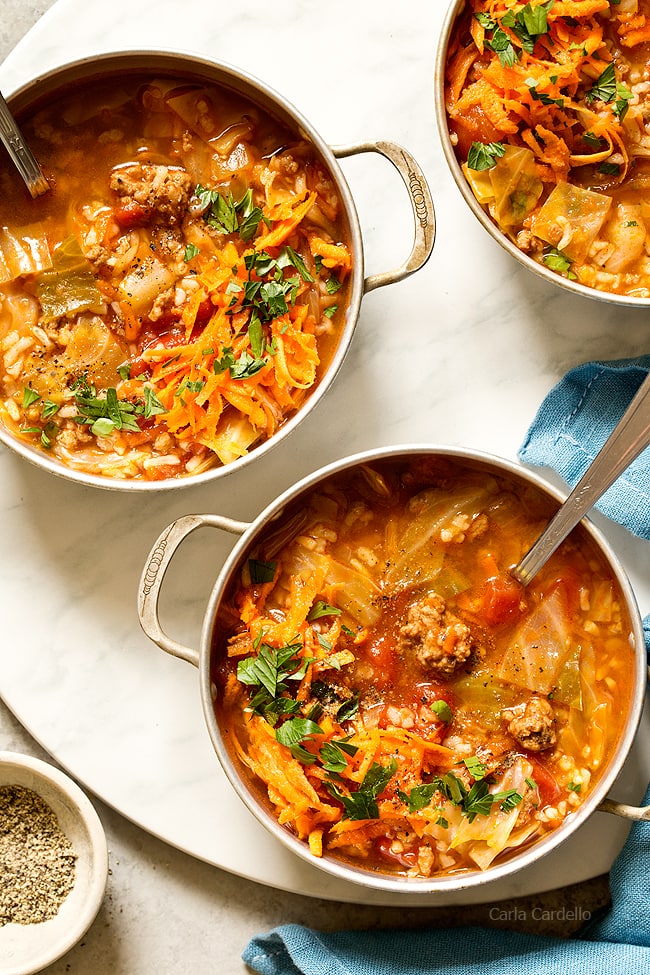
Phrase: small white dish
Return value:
(29, 948)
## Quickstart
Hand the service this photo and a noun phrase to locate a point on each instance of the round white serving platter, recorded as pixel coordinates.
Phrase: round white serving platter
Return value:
(461, 353)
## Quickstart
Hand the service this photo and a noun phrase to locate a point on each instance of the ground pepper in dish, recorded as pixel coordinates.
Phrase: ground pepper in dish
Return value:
(37, 861)
(548, 106)
(179, 292)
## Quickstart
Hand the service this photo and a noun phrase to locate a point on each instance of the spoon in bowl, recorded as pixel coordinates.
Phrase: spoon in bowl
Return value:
(628, 439)
(20, 152)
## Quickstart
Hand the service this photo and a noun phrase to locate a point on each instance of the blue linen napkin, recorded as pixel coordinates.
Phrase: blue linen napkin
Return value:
(618, 944)
(573, 423)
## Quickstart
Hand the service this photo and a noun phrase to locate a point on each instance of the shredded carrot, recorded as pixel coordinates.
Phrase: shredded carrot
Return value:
(634, 29)
(559, 94)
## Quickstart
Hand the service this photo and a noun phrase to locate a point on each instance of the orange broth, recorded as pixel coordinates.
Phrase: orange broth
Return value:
(547, 108)
(389, 691)
(181, 289)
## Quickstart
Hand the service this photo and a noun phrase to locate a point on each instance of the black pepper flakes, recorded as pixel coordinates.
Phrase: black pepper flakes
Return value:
(37, 861)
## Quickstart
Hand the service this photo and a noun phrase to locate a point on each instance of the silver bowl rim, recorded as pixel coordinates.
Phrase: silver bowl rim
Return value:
(573, 287)
(382, 881)
(226, 73)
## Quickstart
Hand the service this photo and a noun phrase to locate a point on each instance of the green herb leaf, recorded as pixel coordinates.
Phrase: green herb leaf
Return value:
(260, 571)
(269, 668)
(362, 804)
(332, 755)
(475, 767)
(152, 405)
(348, 709)
(246, 366)
(332, 285)
(621, 104)
(442, 710)
(507, 800)
(604, 88)
(482, 156)
(191, 250)
(594, 141)
(478, 801)
(419, 797)
(557, 261)
(30, 396)
(49, 409)
(500, 43)
(321, 608)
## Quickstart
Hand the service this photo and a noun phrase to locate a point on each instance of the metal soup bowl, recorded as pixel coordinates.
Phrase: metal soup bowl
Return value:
(456, 8)
(151, 581)
(189, 66)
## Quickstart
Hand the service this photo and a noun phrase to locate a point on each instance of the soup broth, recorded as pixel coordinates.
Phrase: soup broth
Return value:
(394, 696)
(178, 293)
(547, 109)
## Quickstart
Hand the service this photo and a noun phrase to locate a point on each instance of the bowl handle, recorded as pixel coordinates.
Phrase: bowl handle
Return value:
(421, 201)
(638, 813)
(158, 561)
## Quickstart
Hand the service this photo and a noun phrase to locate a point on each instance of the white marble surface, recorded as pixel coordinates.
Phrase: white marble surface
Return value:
(461, 353)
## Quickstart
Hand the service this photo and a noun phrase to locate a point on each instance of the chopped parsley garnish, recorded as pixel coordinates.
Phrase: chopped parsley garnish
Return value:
(269, 672)
(261, 571)
(528, 24)
(604, 87)
(557, 261)
(541, 96)
(475, 801)
(475, 767)
(105, 414)
(442, 710)
(419, 797)
(332, 285)
(321, 608)
(594, 141)
(191, 250)
(332, 755)
(348, 709)
(482, 156)
(607, 89)
(294, 732)
(362, 804)
(228, 216)
(30, 396)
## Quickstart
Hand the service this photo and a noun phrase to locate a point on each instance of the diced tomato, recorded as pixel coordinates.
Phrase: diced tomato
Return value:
(474, 126)
(381, 654)
(499, 600)
(549, 790)
(568, 581)
(383, 848)
(502, 600)
(131, 214)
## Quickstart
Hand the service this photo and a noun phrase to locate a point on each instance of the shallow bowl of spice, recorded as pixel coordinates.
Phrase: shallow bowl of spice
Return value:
(53, 864)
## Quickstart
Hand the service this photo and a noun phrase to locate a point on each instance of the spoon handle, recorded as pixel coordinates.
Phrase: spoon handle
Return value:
(627, 440)
(20, 152)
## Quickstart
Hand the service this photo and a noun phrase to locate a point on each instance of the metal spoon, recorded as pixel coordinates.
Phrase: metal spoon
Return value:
(628, 439)
(20, 152)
